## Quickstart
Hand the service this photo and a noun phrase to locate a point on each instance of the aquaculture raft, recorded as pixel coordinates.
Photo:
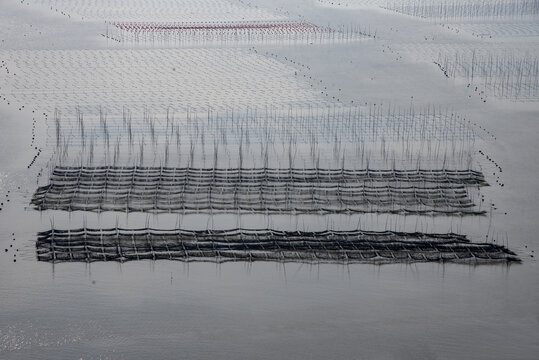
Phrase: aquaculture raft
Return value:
(282, 26)
(260, 190)
(116, 244)
(232, 31)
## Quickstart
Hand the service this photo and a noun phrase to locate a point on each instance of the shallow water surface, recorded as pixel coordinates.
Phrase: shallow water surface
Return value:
(262, 310)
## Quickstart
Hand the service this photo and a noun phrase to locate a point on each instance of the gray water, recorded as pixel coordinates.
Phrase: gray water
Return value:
(171, 310)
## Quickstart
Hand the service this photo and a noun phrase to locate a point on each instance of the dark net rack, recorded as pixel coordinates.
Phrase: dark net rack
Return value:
(117, 244)
(186, 190)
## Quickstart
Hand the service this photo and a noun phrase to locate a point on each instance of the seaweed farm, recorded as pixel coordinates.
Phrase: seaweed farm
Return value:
(262, 245)
(257, 190)
(502, 75)
(237, 32)
(115, 79)
(261, 179)
(197, 133)
(448, 11)
(159, 10)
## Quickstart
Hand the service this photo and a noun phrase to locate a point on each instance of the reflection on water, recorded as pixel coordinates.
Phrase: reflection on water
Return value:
(165, 309)
(264, 310)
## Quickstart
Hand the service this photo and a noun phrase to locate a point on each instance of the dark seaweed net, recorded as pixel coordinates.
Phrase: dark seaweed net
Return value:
(117, 244)
(260, 190)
